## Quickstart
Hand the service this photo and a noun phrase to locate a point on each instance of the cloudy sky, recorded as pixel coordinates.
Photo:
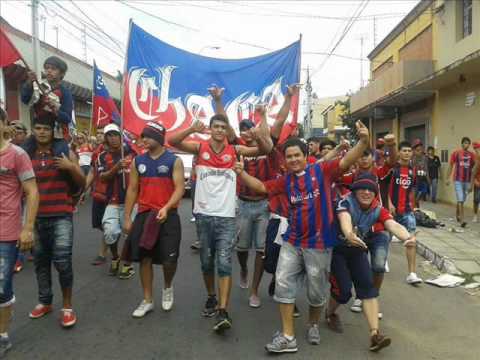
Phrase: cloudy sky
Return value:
(224, 29)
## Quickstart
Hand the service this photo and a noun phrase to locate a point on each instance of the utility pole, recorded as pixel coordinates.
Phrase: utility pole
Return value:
(361, 61)
(43, 19)
(84, 42)
(36, 41)
(56, 35)
(374, 31)
(308, 89)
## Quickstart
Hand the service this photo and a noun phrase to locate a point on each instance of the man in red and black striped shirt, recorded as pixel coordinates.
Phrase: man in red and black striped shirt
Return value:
(402, 200)
(59, 178)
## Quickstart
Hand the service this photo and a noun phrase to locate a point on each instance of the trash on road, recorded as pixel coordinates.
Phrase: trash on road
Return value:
(446, 280)
(471, 286)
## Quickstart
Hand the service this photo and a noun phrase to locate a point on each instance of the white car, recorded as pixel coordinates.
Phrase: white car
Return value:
(187, 165)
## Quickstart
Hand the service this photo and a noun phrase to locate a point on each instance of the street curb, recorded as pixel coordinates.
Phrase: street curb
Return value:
(443, 263)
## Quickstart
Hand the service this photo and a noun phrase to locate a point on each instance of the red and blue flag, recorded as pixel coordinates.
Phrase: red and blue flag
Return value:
(104, 109)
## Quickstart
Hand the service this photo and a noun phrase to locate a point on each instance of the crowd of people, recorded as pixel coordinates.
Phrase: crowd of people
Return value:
(318, 215)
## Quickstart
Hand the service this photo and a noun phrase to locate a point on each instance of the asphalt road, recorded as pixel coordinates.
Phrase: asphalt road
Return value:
(424, 322)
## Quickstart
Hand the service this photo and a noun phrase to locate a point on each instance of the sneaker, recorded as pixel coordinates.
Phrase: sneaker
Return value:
(413, 279)
(40, 310)
(193, 219)
(281, 344)
(378, 342)
(380, 315)
(475, 219)
(143, 309)
(334, 323)
(254, 301)
(5, 345)
(167, 299)
(18, 266)
(356, 306)
(114, 266)
(463, 224)
(313, 335)
(271, 288)
(68, 318)
(210, 306)
(196, 245)
(99, 260)
(296, 312)
(243, 279)
(127, 272)
(387, 267)
(223, 321)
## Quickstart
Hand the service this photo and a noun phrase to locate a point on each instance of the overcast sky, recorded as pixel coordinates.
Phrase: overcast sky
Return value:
(225, 29)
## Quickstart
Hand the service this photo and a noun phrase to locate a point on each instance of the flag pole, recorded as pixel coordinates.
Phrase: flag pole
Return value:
(91, 108)
(122, 91)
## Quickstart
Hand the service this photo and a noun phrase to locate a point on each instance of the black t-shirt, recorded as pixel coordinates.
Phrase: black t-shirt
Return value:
(433, 166)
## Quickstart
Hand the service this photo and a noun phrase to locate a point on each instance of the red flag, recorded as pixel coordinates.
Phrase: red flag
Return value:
(9, 53)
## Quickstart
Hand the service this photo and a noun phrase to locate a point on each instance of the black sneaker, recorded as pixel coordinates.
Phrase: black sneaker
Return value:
(223, 321)
(296, 312)
(210, 306)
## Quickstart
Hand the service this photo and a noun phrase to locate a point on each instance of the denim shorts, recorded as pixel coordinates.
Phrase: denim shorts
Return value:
(378, 244)
(8, 256)
(297, 264)
(461, 190)
(217, 236)
(408, 220)
(252, 225)
(112, 222)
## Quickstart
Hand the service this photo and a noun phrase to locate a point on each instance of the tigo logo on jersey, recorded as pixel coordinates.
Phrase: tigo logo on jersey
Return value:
(404, 182)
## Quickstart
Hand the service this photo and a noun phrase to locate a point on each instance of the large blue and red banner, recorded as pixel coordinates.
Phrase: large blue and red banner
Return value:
(165, 84)
(104, 109)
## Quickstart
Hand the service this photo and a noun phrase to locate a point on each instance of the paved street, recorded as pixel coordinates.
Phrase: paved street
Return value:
(424, 322)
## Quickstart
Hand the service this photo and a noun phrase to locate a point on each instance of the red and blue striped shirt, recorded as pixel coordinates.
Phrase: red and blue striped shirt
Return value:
(463, 162)
(402, 185)
(310, 213)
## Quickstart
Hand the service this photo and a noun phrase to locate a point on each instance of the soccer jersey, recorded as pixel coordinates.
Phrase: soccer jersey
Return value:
(463, 162)
(216, 183)
(116, 189)
(402, 185)
(155, 180)
(85, 153)
(309, 196)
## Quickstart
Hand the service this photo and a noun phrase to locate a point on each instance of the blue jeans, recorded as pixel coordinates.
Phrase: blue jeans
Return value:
(408, 220)
(55, 242)
(378, 244)
(252, 225)
(217, 236)
(8, 256)
(461, 190)
(433, 191)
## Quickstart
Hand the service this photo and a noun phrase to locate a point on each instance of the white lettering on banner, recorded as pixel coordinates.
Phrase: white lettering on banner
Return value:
(154, 100)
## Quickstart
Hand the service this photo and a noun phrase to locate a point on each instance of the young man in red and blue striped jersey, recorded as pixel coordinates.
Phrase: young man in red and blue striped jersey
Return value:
(59, 178)
(402, 201)
(308, 241)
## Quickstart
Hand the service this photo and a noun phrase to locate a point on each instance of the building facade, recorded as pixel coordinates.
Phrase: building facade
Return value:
(425, 79)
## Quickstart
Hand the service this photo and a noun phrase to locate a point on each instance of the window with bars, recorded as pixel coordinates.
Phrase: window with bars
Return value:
(467, 17)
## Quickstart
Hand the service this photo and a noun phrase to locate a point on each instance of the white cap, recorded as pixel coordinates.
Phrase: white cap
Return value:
(111, 127)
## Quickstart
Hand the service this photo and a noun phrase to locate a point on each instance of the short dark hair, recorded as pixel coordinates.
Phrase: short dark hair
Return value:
(430, 148)
(327, 142)
(218, 117)
(314, 139)
(404, 144)
(367, 152)
(292, 142)
(466, 138)
(3, 115)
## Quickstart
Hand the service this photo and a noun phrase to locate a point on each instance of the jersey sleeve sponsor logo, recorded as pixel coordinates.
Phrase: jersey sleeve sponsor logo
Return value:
(205, 156)
(142, 168)
(227, 158)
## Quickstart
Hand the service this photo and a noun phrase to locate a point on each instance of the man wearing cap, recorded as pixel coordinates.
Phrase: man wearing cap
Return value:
(157, 186)
(59, 178)
(476, 181)
(357, 214)
(114, 170)
(420, 164)
(463, 161)
(20, 132)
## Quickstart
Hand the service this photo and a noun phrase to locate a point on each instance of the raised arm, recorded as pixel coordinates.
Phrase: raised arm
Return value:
(217, 94)
(356, 152)
(334, 153)
(251, 182)
(130, 197)
(178, 140)
(282, 115)
(390, 143)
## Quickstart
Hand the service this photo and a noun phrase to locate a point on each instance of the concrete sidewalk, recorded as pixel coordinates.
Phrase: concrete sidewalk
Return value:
(451, 249)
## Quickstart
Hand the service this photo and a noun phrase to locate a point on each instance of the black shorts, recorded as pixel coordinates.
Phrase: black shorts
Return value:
(98, 209)
(167, 247)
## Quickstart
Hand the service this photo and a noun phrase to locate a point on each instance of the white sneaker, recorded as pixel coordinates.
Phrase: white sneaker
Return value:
(387, 267)
(380, 316)
(356, 306)
(413, 279)
(193, 219)
(475, 219)
(167, 299)
(143, 309)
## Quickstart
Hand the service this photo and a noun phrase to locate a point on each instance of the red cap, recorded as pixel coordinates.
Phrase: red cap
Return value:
(380, 141)
(476, 145)
(417, 142)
